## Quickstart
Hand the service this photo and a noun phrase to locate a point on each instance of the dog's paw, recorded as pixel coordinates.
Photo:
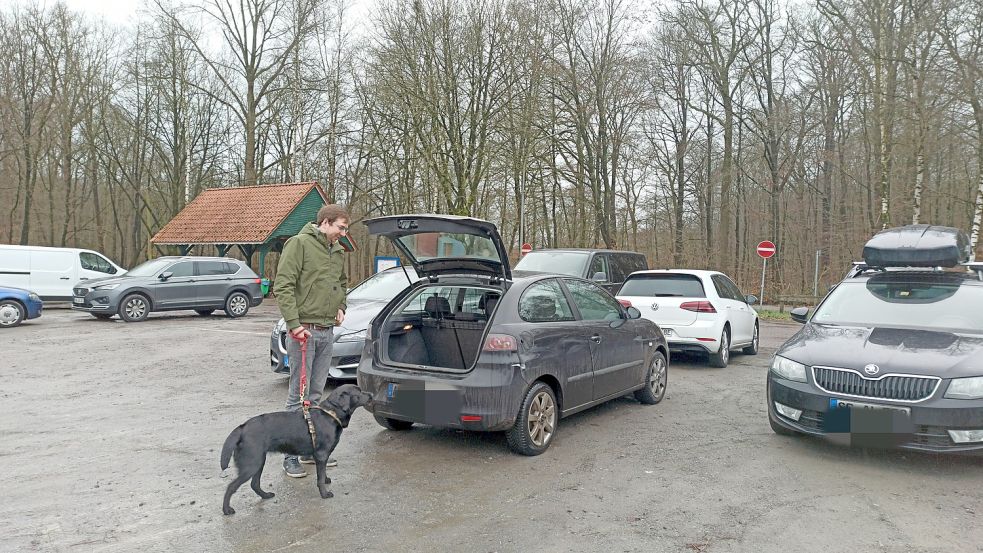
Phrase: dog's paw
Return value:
(326, 495)
(228, 511)
(327, 480)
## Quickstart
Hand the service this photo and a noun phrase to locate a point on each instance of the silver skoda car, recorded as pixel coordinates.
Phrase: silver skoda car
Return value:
(364, 301)
(202, 284)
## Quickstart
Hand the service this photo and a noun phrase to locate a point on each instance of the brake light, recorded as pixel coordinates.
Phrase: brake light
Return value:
(500, 342)
(258, 280)
(625, 303)
(698, 306)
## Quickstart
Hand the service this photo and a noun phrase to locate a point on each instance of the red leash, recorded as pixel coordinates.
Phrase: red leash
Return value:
(303, 368)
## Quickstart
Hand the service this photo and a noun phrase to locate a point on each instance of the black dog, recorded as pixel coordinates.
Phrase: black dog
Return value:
(287, 432)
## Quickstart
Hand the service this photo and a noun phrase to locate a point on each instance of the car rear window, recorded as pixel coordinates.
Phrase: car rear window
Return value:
(944, 306)
(666, 285)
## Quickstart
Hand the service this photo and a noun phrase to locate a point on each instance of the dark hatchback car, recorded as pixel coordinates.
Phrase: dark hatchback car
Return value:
(607, 268)
(891, 357)
(476, 347)
(202, 284)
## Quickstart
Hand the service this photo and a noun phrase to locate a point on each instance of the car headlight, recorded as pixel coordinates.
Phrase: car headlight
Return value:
(965, 388)
(788, 369)
(33, 297)
(357, 336)
(106, 287)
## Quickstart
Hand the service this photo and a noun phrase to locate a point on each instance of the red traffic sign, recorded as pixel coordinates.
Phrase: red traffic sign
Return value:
(526, 248)
(766, 248)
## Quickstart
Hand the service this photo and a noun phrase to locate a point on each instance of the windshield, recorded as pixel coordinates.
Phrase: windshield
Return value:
(443, 245)
(662, 286)
(149, 268)
(383, 285)
(944, 306)
(563, 263)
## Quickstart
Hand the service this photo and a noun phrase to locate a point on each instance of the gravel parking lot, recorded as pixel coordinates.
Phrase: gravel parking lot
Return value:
(111, 435)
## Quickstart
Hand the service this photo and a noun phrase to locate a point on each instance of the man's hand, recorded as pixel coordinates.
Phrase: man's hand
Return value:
(341, 317)
(300, 333)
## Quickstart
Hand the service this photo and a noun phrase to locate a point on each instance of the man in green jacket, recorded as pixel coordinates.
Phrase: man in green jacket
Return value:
(310, 289)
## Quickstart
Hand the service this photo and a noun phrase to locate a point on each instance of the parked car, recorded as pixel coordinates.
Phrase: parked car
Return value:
(364, 302)
(17, 305)
(478, 347)
(891, 356)
(607, 268)
(698, 311)
(203, 284)
(52, 272)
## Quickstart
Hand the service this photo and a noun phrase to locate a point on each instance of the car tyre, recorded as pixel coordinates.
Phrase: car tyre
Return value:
(779, 429)
(102, 316)
(656, 381)
(204, 312)
(535, 426)
(720, 359)
(12, 313)
(753, 348)
(393, 424)
(236, 305)
(134, 308)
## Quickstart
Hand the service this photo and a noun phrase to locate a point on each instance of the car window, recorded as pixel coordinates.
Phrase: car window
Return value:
(722, 290)
(183, 269)
(383, 285)
(231, 268)
(949, 306)
(599, 265)
(665, 285)
(544, 302)
(93, 262)
(563, 263)
(617, 267)
(212, 268)
(734, 289)
(593, 302)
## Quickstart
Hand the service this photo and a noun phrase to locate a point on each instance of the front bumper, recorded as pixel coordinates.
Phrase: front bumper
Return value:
(345, 357)
(925, 429)
(96, 301)
(491, 392)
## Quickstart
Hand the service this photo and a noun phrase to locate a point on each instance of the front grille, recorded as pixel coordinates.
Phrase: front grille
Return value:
(80, 291)
(348, 360)
(896, 387)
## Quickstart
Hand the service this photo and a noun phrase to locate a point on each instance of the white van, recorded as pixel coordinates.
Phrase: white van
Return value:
(52, 272)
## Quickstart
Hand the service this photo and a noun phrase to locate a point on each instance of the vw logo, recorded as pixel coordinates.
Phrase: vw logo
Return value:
(655, 307)
(872, 369)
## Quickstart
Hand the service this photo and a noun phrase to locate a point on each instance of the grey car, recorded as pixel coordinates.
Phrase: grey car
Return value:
(364, 301)
(477, 347)
(202, 284)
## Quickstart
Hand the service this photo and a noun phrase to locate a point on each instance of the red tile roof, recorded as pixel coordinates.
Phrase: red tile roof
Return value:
(240, 215)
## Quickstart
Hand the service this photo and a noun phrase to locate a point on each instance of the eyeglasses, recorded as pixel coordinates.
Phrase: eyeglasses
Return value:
(342, 228)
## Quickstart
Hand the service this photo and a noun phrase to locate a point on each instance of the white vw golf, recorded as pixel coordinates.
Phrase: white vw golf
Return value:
(698, 311)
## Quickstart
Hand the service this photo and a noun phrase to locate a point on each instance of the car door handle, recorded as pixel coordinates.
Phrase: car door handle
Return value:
(62, 278)
(596, 339)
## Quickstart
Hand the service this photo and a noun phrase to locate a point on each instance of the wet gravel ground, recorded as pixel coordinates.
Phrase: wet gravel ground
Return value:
(110, 436)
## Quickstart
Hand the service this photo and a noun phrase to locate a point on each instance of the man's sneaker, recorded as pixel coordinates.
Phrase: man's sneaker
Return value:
(293, 468)
(308, 460)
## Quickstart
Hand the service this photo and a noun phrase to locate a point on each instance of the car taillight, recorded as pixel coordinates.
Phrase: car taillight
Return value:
(500, 342)
(258, 280)
(625, 303)
(698, 306)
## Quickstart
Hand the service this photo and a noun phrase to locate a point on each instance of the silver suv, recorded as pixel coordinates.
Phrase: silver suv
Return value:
(203, 284)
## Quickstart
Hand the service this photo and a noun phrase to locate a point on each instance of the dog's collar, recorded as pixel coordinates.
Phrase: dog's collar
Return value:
(330, 413)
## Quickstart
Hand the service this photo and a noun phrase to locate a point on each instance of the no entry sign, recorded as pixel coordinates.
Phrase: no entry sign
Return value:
(526, 248)
(766, 248)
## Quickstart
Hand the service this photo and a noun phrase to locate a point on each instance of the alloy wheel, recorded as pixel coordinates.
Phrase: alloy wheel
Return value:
(724, 347)
(136, 308)
(658, 377)
(9, 314)
(237, 304)
(542, 419)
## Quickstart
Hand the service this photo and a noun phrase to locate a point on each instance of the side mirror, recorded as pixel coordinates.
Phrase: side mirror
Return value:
(800, 314)
(634, 313)
(600, 276)
(166, 275)
(751, 299)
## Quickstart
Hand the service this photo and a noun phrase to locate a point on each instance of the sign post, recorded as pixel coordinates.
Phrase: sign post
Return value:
(526, 248)
(765, 249)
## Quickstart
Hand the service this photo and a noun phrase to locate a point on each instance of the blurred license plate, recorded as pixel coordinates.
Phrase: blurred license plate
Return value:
(868, 419)
(848, 404)
(78, 300)
(668, 332)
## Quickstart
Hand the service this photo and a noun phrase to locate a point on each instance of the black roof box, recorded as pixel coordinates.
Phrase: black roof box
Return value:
(917, 246)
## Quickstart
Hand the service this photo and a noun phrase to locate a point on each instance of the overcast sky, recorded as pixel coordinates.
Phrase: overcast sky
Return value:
(118, 12)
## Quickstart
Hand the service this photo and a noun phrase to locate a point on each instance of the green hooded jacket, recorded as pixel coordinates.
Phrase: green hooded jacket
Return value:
(311, 283)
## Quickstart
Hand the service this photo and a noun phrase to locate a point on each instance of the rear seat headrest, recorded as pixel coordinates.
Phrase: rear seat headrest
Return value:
(437, 307)
(487, 302)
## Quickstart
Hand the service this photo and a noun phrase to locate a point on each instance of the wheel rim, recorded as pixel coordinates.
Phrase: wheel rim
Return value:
(658, 377)
(542, 418)
(724, 347)
(9, 314)
(136, 308)
(237, 304)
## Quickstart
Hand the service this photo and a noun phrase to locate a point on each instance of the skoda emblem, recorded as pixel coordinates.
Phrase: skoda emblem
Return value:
(872, 369)
(655, 307)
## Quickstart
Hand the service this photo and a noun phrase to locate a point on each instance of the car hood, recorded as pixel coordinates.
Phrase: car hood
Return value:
(93, 282)
(358, 316)
(893, 350)
(14, 289)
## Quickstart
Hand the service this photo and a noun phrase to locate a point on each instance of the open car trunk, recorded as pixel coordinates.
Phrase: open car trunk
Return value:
(440, 327)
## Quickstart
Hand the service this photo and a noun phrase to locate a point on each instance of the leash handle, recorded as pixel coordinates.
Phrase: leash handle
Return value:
(303, 367)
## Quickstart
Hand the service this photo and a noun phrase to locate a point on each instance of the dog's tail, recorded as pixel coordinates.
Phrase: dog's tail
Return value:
(230, 445)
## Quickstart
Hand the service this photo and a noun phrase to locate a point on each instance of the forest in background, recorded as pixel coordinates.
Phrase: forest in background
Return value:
(685, 130)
